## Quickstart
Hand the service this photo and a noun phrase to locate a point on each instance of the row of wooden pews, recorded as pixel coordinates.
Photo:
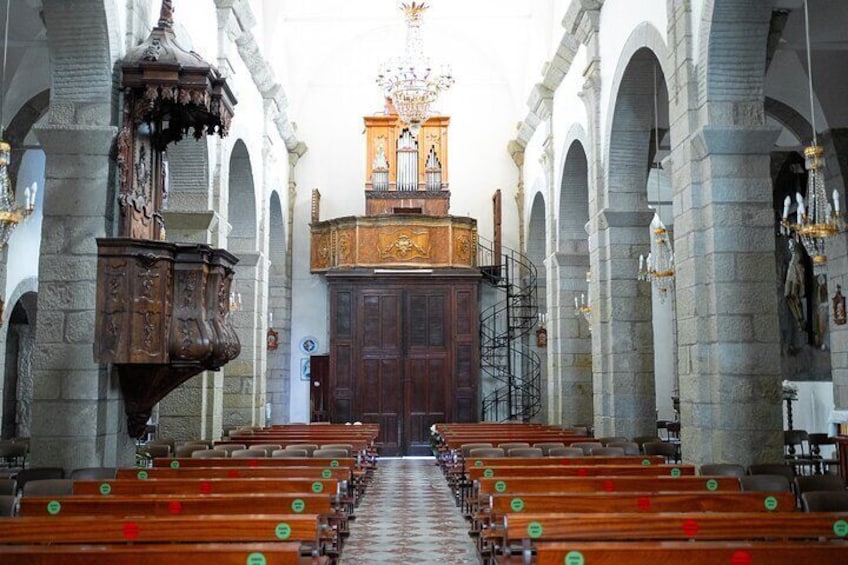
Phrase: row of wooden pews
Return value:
(626, 509)
(229, 511)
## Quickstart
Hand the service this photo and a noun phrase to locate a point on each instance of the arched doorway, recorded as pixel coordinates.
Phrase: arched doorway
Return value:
(18, 380)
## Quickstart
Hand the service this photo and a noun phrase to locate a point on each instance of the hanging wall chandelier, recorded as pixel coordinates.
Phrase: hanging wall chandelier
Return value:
(10, 213)
(409, 80)
(817, 218)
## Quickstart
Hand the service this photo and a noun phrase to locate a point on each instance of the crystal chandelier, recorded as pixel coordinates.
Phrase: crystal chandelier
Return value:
(658, 266)
(409, 80)
(10, 213)
(583, 306)
(817, 219)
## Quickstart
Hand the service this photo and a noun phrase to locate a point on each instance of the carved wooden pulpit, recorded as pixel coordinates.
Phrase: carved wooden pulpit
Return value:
(162, 308)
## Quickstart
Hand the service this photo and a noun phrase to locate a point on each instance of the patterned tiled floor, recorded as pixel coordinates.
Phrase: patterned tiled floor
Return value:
(408, 516)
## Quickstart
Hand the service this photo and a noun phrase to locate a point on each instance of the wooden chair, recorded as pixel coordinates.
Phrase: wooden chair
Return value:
(773, 469)
(482, 452)
(824, 501)
(796, 444)
(268, 447)
(37, 474)
(811, 483)
(525, 452)
(547, 446)
(330, 453)
(467, 447)
(93, 473)
(765, 483)
(608, 451)
(667, 450)
(587, 446)
(566, 452)
(154, 450)
(309, 447)
(188, 450)
(248, 453)
(513, 444)
(820, 463)
(723, 470)
(208, 454)
(629, 447)
(228, 448)
(8, 486)
(605, 441)
(8, 505)
(290, 453)
(642, 440)
(14, 454)
(48, 487)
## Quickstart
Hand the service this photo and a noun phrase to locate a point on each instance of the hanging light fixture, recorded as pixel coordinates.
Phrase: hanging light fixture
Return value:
(10, 213)
(583, 305)
(817, 219)
(409, 80)
(658, 266)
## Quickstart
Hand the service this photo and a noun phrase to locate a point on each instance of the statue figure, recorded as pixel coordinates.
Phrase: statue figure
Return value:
(794, 288)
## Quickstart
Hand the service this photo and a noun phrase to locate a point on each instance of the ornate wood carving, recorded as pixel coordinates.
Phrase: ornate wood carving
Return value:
(162, 317)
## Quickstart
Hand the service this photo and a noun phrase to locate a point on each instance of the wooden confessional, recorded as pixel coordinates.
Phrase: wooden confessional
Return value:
(403, 293)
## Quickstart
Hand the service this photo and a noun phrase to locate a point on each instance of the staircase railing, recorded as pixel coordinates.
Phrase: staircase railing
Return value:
(505, 354)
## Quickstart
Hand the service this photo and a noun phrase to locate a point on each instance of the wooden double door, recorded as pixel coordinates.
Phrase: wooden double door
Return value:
(404, 353)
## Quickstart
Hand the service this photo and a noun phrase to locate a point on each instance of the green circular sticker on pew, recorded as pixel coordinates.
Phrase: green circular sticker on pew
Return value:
(840, 528)
(500, 486)
(105, 488)
(256, 559)
(770, 503)
(645, 463)
(534, 529)
(282, 531)
(517, 504)
(175, 464)
(326, 474)
(334, 463)
(317, 487)
(298, 505)
(478, 463)
(142, 475)
(675, 472)
(574, 558)
(712, 484)
(489, 473)
(54, 507)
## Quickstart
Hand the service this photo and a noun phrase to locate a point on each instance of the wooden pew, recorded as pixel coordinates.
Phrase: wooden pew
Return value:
(323, 462)
(334, 473)
(277, 553)
(206, 486)
(675, 553)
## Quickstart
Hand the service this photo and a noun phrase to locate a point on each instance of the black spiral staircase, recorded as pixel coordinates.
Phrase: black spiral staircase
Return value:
(505, 355)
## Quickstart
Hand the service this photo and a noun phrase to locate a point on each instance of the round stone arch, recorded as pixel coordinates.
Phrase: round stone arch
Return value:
(573, 196)
(279, 306)
(732, 62)
(18, 340)
(241, 201)
(631, 108)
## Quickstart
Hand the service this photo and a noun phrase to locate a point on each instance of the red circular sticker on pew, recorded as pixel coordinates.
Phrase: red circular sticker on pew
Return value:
(253, 463)
(609, 486)
(740, 557)
(130, 531)
(690, 527)
(582, 472)
(232, 474)
(566, 461)
(643, 503)
(205, 487)
(175, 507)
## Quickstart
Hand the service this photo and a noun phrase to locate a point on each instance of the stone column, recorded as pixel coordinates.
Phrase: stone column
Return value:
(78, 416)
(241, 388)
(835, 142)
(622, 331)
(728, 338)
(26, 347)
(572, 353)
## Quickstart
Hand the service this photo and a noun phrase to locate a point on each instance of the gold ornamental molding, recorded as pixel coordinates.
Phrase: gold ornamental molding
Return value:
(398, 240)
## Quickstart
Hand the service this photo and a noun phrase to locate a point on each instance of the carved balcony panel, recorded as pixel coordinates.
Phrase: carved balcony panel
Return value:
(396, 241)
(162, 317)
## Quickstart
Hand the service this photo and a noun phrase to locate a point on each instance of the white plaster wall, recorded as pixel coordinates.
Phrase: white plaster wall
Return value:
(618, 20)
(811, 411)
(569, 110)
(696, 16)
(25, 243)
(786, 81)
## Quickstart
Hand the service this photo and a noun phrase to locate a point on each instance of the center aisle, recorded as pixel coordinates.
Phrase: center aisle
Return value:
(408, 516)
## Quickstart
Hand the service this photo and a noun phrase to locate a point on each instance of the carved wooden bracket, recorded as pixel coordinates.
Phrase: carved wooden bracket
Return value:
(162, 317)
